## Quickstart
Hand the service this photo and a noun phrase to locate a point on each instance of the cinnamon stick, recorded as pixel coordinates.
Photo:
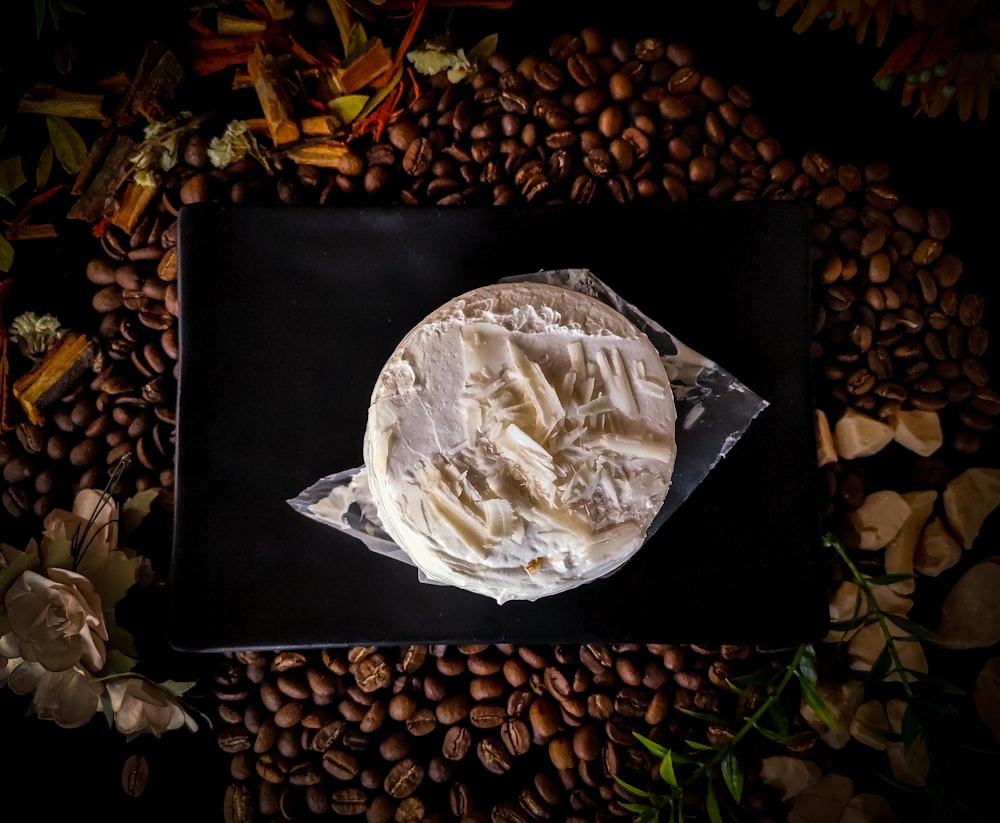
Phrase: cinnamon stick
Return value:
(43, 98)
(131, 205)
(273, 96)
(91, 205)
(94, 156)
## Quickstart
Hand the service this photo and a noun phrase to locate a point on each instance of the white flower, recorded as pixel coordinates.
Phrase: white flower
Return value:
(95, 519)
(142, 706)
(70, 698)
(57, 619)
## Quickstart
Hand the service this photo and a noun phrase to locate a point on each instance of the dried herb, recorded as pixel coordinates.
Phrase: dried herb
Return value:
(951, 55)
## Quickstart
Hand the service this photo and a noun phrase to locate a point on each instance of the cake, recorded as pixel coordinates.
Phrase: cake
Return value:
(520, 440)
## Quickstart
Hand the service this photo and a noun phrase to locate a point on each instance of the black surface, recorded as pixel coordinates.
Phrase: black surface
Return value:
(287, 318)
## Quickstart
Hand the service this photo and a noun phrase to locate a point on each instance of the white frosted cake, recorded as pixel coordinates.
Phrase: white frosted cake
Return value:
(520, 439)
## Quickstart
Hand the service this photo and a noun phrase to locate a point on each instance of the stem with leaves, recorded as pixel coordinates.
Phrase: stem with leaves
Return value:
(709, 760)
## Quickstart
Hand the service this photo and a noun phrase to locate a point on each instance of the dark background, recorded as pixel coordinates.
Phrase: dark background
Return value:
(812, 92)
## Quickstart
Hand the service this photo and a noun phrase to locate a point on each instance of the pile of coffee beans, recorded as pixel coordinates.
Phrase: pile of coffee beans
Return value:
(501, 733)
(510, 733)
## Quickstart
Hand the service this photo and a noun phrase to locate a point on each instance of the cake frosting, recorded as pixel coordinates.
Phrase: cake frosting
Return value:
(520, 439)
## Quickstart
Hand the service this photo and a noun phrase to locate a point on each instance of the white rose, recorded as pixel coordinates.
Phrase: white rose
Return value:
(57, 619)
(70, 697)
(142, 706)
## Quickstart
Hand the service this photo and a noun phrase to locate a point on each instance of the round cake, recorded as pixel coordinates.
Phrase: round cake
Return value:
(520, 441)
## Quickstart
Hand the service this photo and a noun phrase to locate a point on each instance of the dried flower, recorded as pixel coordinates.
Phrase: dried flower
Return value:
(140, 705)
(56, 619)
(35, 334)
(236, 142)
(58, 637)
(69, 698)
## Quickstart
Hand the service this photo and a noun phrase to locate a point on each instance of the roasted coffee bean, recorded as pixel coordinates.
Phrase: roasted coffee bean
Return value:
(238, 804)
(515, 736)
(349, 801)
(487, 715)
(340, 764)
(457, 741)
(493, 755)
(403, 778)
(234, 738)
(453, 709)
(395, 747)
(544, 717)
(460, 800)
(421, 722)
(506, 812)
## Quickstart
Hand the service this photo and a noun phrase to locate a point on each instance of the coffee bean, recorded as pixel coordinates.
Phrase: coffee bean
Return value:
(238, 804)
(422, 722)
(348, 801)
(515, 736)
(340, 764)
(453, 709)
(403, 778)
(457, 741)
(506, 812)
(494, 755)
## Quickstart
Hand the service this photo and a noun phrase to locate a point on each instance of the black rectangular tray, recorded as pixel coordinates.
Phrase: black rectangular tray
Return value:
(287, 316)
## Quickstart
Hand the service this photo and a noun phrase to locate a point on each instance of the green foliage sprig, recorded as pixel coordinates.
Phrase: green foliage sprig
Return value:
(52, 10)
(932, 703)
(713, 765)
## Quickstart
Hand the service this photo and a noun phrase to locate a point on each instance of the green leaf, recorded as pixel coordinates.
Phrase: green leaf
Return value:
(6, 253)
(118, 663)
(116, 578)
(357, 40)
(850, 623)
(667, 770)
(935, 704)
(11, 174)
(911, 626)
(936, 683)
(814, 700)
(483, 50)
(347, 107)
(732, 773)
(651, 746)
(135, 509)
(881, 667)
(712, 805)
(638, 808)
(44, 168)
(778, 718)
(714, 719)
(58, 550)
(888, 579)
(176, 687)
(699, 747)
(629, 787)
(770, 734)
(55, 13)
(911, 727)
(649, 816)
(71, 151)
(39, 17)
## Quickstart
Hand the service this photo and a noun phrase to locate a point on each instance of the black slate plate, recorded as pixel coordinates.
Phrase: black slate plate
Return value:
(287, 316)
